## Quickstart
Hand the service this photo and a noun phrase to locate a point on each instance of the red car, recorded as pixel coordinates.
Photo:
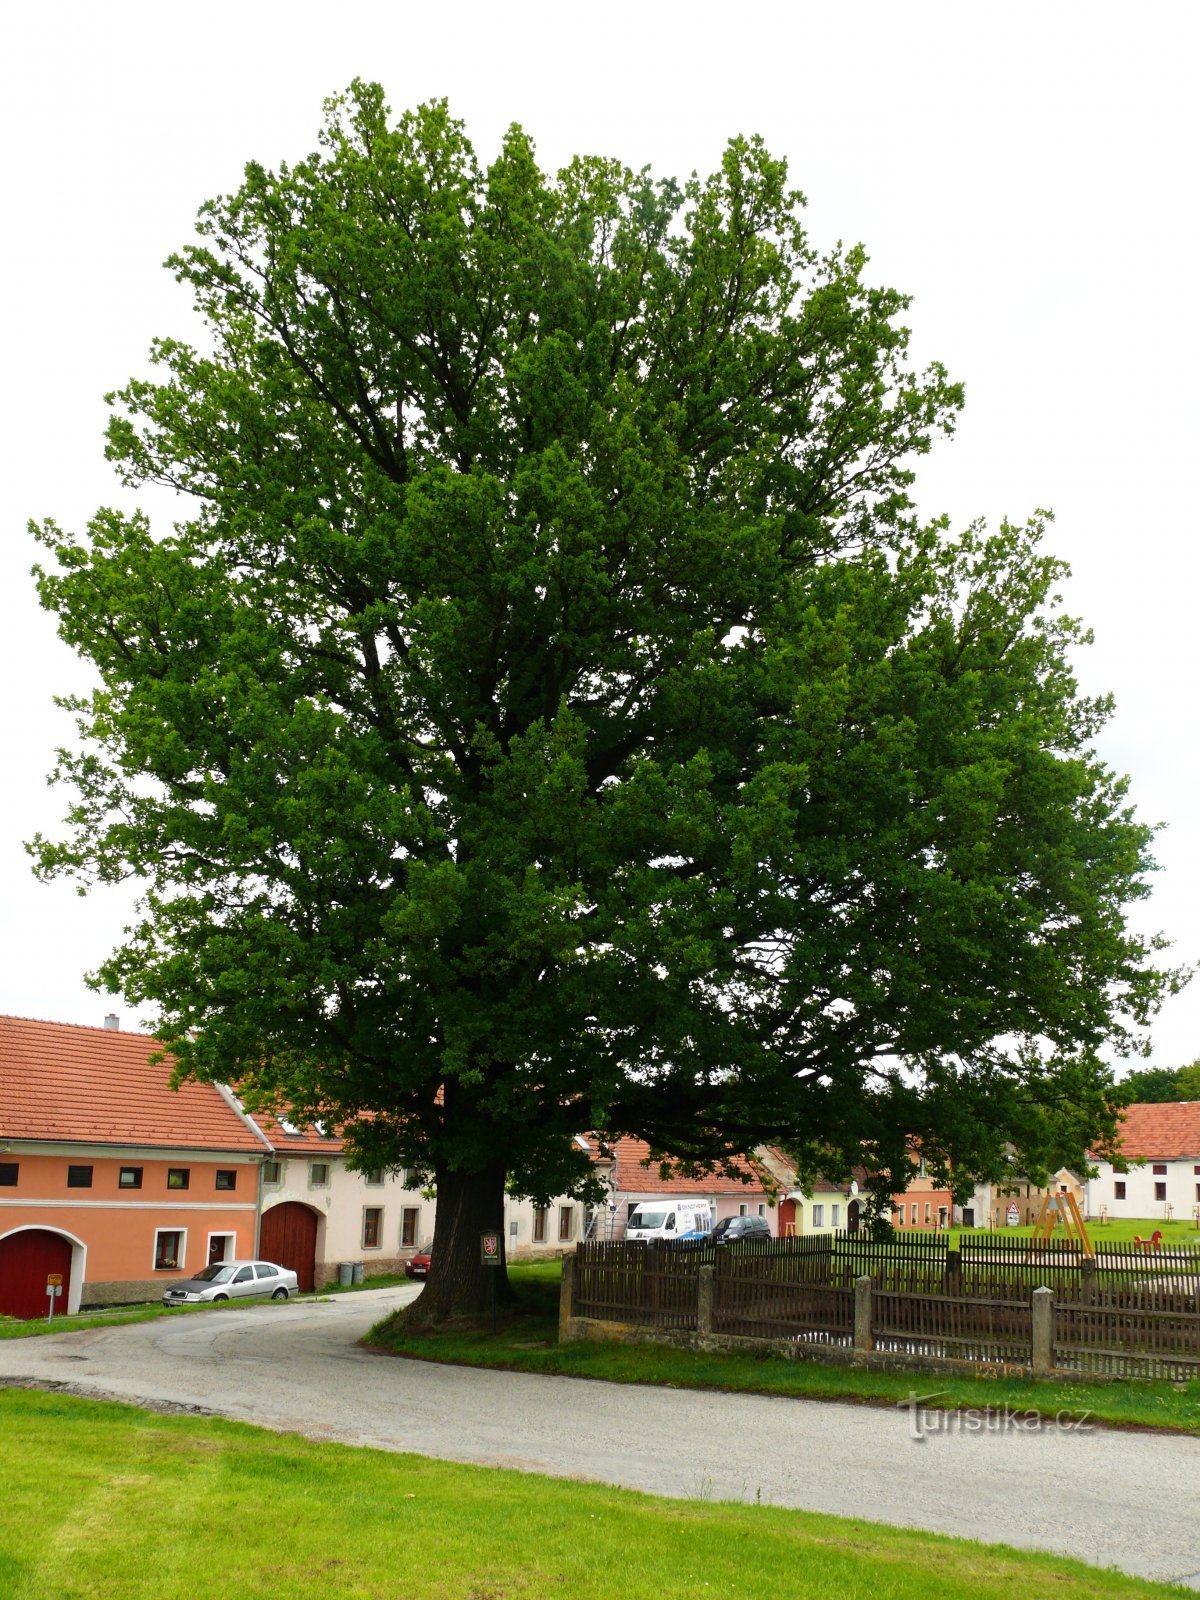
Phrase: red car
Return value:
(417, 1266)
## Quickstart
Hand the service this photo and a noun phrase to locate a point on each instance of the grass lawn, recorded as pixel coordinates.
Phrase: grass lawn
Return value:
(108, 1502)
(529, 1343)
(1117, 1230)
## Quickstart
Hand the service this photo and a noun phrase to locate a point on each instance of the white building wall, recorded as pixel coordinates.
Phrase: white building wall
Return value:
(408, 1215)
(341, 1203)
(1142, 1200)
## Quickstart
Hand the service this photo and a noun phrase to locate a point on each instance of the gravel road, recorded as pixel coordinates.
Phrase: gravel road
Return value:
(1130, 1500)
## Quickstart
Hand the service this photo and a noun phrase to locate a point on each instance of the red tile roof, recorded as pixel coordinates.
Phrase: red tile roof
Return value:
(304, 1139)
(634, 1178)
(1167, 1132)
(98, 1086)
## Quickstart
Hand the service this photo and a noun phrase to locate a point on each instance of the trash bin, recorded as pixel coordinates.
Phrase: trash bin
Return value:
(357, 1272)
(345, 1274)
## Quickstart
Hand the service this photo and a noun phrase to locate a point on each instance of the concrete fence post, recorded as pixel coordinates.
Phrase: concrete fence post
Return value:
(704, 1297)
(1043, 1331)
(566, 1299)
(863, 1338)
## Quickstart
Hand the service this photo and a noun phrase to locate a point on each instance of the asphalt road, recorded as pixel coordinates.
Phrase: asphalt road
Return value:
(1130, 1500)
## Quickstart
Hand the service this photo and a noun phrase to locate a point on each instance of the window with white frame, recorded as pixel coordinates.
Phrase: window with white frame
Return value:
(372, 1228)
(318, 1175)
(818, 1216)
(170, 1245)
(835, 1216)
(221, 1247)
(410, 1225)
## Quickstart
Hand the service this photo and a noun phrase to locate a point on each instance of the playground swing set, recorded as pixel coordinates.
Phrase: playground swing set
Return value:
(1062, 1210)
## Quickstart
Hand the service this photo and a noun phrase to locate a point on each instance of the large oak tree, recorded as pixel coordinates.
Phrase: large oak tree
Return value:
(546, 713)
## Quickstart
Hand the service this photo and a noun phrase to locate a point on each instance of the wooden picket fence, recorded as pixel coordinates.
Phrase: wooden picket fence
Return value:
(1128, 1341)
(652, 1285)
(950, 1327)
(762, 1294)
(1123, 1315)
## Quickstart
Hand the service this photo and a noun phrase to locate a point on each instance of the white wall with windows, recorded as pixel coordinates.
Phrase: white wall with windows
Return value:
(1158, 1191)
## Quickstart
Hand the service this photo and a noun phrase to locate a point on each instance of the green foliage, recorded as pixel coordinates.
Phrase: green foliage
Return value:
(546, 713)
(1159, 1084)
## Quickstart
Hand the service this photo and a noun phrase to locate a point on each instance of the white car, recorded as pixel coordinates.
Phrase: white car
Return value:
(230, 1280)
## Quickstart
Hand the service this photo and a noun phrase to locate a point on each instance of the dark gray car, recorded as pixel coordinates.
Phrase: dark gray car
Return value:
(730, 1229)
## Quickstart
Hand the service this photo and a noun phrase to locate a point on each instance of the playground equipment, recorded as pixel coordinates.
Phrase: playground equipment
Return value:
(1062, 1208)
(1154, 1242)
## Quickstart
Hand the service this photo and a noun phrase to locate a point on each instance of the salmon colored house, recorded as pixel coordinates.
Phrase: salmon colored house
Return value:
(109, 1178)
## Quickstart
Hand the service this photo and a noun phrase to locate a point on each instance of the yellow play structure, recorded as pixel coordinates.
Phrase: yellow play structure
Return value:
(1062, 1208)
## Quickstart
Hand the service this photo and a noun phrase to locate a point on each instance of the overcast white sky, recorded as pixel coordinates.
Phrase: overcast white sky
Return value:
(1026, 171)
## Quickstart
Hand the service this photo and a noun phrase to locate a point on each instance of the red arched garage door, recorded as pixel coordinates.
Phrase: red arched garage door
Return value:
(26, 1259)
(288, 1237)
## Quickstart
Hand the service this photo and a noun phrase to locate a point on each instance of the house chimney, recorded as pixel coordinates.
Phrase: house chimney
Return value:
(112, 1021)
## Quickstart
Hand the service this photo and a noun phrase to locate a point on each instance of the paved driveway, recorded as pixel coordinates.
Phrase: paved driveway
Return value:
(1124, 1499)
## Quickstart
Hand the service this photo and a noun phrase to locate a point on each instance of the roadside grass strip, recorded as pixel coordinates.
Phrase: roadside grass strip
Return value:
(100, 1501)
(529, 1343)
(116, 1317)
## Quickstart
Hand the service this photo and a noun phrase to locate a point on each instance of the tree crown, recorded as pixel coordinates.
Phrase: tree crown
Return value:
(547, 714)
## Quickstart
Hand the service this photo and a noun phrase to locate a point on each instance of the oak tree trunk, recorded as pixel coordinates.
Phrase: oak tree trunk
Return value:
(469, 1204)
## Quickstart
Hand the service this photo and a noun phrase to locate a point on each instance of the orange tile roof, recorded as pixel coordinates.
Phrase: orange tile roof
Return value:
(633, 1178)
(98, 1086)
(1166, 1132)
(306, 1138)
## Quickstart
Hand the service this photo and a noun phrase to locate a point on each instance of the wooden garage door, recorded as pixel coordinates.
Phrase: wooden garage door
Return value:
(288, 1237)
(25, 1260)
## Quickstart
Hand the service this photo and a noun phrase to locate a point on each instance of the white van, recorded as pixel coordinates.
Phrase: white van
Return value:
(669, 1218)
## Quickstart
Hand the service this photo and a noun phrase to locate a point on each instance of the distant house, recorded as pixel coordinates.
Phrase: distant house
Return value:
(109, 1179)
(1017, 1201)
(631, 1175)
(924, 1204)
(1161, 1143)
(830, 1205)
